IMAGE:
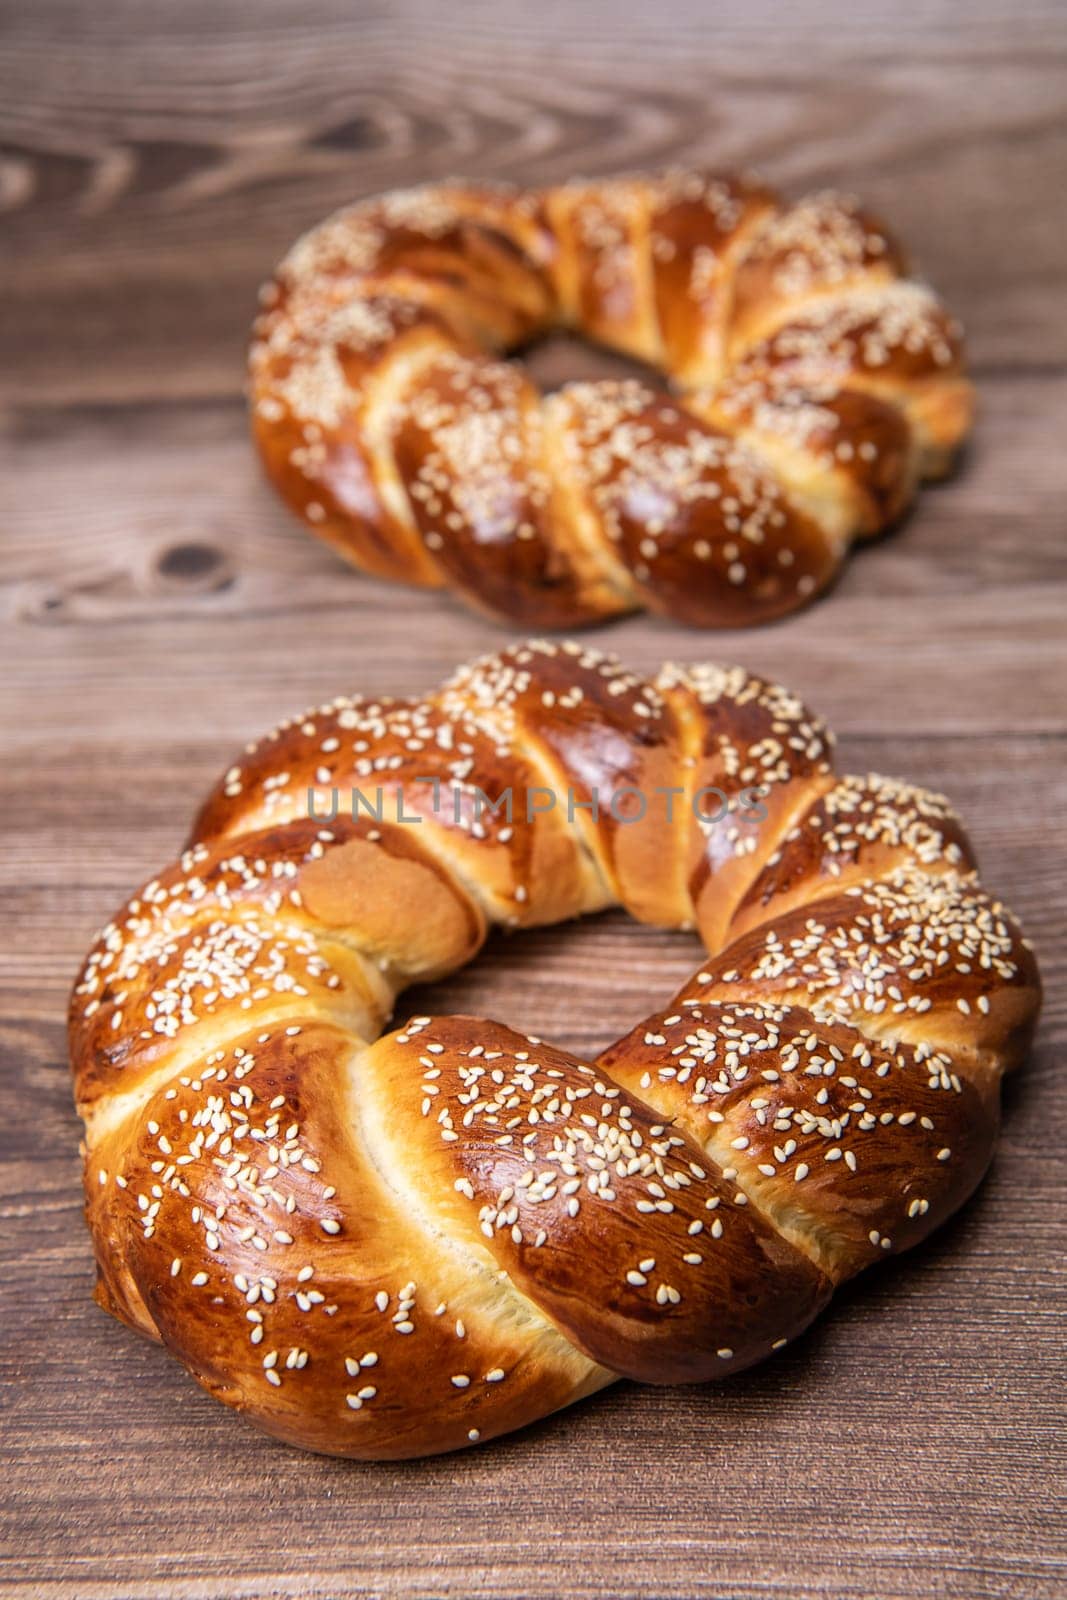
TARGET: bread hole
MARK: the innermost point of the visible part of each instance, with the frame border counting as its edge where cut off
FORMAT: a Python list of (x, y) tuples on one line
[(560, 358), (578, 985)]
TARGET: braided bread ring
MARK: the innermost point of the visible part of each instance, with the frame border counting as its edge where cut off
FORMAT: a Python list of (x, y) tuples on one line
[(818, 385), (392, 1248)]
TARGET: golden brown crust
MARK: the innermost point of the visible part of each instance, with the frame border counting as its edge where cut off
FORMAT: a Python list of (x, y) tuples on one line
[(295, 1297), (819, 247), (913, 957), (820, 385), (385, 1247), (587, 1200), (852, 1147), (859, 829), (470, 448)]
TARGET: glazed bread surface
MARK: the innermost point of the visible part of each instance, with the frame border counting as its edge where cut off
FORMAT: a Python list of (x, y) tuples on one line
[(386, 1246), (814, 384)]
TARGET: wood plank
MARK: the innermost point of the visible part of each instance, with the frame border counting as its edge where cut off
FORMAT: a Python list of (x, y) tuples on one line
[(159, 609), (158, 210)]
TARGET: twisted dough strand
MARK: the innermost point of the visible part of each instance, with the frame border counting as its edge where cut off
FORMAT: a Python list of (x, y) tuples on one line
[(390, 1246), (816, 386)]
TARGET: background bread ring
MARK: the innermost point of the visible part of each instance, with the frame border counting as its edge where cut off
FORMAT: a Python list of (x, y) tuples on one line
[(815, 386)]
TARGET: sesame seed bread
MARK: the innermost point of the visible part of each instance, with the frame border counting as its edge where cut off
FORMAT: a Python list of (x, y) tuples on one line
[(814, 385), (389, 1246)]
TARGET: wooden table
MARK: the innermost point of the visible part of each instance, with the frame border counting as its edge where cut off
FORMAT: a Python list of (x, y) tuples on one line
[(160, 608)]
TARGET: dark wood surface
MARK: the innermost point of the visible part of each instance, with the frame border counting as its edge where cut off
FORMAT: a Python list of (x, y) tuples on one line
[(159, 609)]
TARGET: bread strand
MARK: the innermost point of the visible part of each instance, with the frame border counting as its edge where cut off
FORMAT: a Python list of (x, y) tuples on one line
[(456, 1229), (820, 385)]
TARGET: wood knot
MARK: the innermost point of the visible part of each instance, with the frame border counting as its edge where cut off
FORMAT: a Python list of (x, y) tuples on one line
[(193, 566)]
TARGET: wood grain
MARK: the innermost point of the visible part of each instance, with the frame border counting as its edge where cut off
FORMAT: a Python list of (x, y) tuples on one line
[(159, 609)]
